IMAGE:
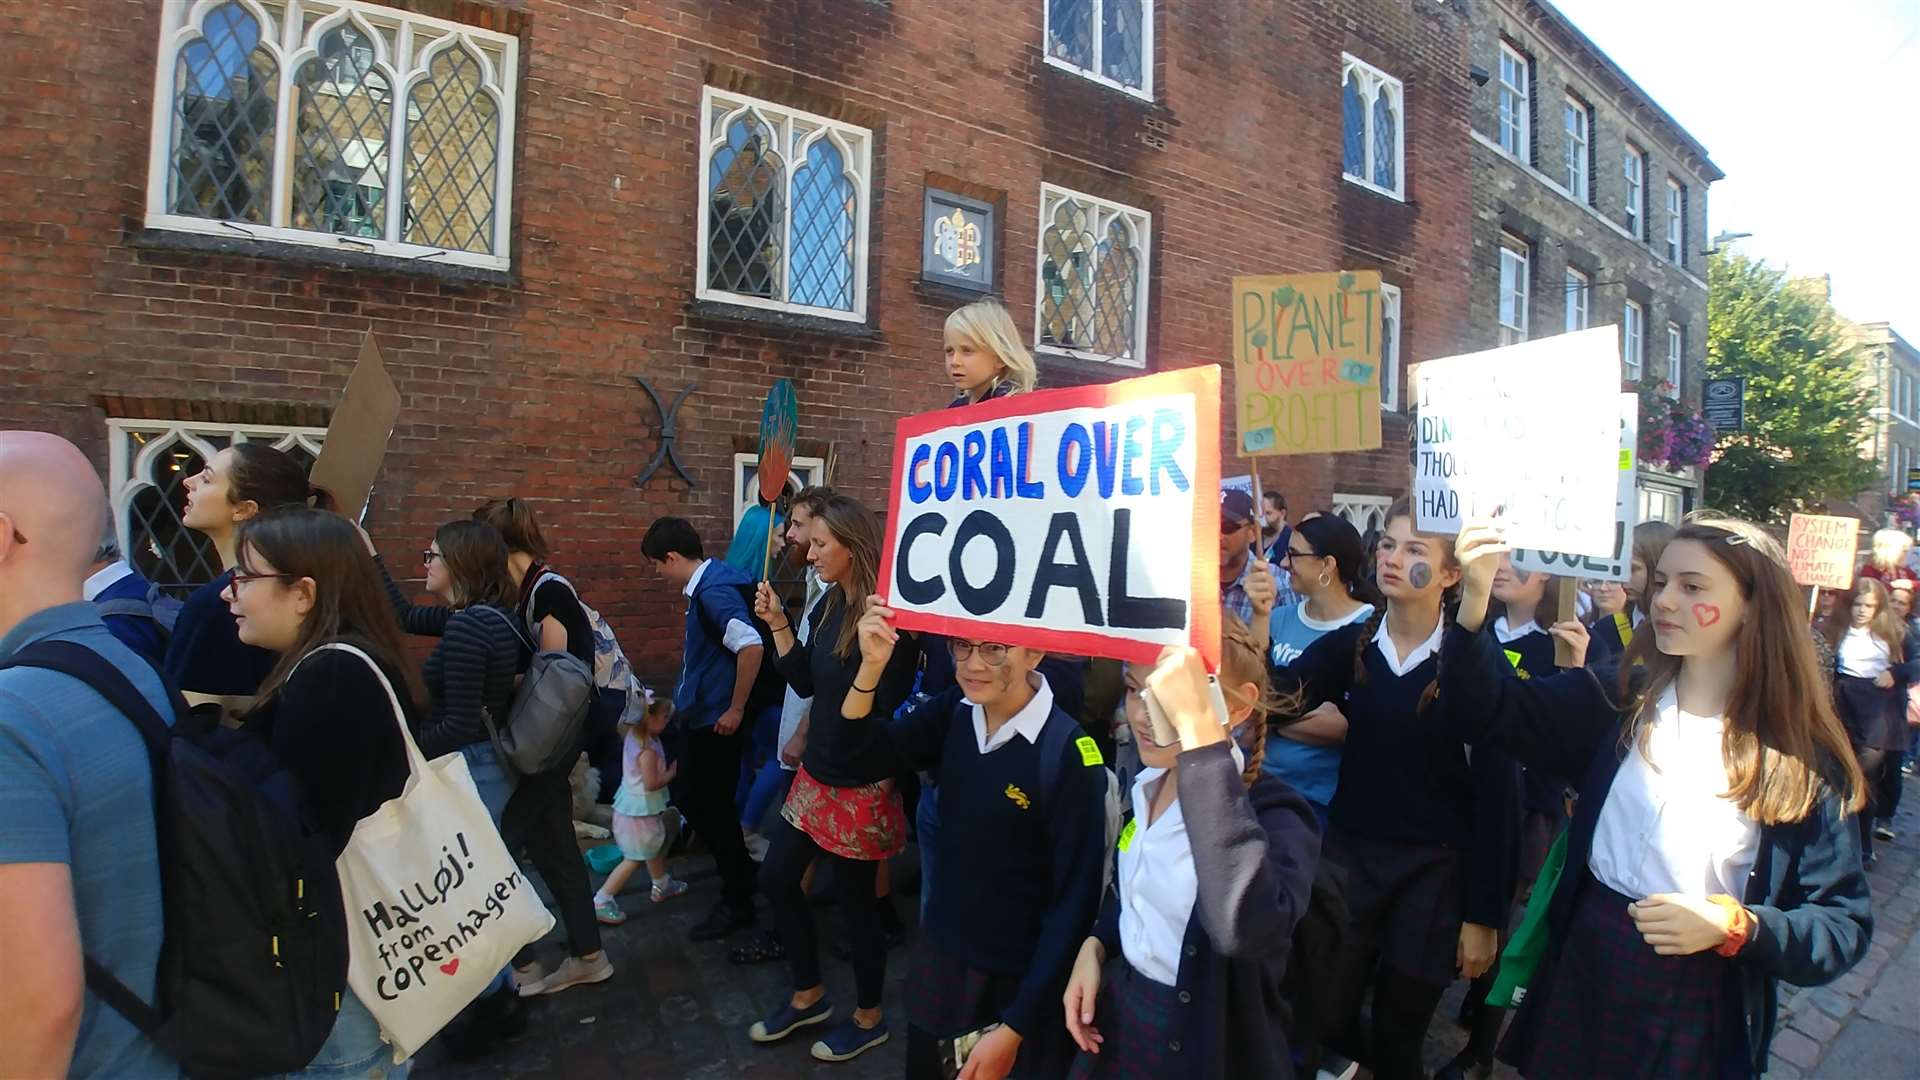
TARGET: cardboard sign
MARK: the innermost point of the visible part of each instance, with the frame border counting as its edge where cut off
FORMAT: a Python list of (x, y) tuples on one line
[(1617, 566), (1243, 482), (1306, 361), (779, 427), (349, 460), (1082, 520), (1513, 430), (1820, 550)]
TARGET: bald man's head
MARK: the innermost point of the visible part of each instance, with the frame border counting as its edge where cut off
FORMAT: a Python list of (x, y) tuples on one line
[(53, 499)]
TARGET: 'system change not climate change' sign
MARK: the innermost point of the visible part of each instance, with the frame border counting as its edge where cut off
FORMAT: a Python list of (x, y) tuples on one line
[(1083, 519), (1306, 361)]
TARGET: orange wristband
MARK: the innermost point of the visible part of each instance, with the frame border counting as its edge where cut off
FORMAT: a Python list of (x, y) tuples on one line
[(1739, 925)]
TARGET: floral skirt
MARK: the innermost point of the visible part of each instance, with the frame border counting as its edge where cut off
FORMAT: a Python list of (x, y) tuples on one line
[(865, 822)]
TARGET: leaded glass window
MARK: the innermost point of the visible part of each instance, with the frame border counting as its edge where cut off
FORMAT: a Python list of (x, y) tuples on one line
[(292, 120), (786, 210), (1109, 41), (1092, 287), (1372, 105), (150, 462)]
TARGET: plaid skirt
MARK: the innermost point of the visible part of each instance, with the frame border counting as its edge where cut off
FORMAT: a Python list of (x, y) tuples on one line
[(1614, 1008), (946, 998), (1136, 1016), (1403, 898), (865, 823)]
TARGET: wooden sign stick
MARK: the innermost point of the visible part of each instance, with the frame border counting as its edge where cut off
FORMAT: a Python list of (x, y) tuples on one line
[(1566, 608)]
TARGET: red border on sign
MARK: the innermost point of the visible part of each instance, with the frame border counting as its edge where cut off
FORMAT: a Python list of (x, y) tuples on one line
[(1203, 383)]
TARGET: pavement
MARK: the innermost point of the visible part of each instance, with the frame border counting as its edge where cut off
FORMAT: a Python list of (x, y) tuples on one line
[(677, 1008)]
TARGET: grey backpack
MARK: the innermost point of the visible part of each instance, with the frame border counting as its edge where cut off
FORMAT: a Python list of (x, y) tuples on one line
[(547, 720)]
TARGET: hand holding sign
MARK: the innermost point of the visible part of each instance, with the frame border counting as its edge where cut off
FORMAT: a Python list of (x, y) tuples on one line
[(1478, 549)]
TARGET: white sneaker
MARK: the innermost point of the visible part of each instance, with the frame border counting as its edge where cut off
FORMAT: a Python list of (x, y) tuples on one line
[(574, 971)]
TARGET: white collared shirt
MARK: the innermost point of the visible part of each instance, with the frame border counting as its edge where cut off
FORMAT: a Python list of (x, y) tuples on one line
[(1667, 826), (1026, 723), (1507, 633), (105, 578), (739, 634), (1420, 652), (1157, 885), (1862, 654)]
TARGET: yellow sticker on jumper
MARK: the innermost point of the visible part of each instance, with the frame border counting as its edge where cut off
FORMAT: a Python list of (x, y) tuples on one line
[(1126, 835), (1513, 658), (1089, 751)]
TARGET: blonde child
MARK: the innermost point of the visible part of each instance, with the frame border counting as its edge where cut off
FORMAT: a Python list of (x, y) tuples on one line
[(985, 358), (641, 824)]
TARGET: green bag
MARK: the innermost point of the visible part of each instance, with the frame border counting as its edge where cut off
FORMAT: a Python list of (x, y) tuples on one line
[(1521, 957)]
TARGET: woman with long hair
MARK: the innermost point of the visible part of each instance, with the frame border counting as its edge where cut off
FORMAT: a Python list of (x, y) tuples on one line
[(205, 657), (1323, 561), (1214, 870), (1423, 823), (1876, 658), (1709, 856), (842, 809), (540, 813), (1612, 635), (301, 579)]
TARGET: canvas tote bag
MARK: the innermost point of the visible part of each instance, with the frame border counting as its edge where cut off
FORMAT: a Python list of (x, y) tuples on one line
[(436, 907)]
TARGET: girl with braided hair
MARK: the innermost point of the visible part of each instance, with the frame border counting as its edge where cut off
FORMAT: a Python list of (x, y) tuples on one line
[(1424, 825)]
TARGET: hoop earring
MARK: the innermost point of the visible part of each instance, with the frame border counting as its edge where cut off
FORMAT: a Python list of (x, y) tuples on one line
[(1325, 579)]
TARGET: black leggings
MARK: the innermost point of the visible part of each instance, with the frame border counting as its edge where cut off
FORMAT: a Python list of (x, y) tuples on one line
[(1873, 765), (538, 820), (1402, 1008), (788, 853)]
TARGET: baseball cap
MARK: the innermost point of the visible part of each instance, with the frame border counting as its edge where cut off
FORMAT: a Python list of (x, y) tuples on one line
[(1236, 507)]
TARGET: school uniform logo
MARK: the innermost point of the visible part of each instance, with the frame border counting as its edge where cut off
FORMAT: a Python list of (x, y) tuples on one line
[(1018, 797), (1514, 659)]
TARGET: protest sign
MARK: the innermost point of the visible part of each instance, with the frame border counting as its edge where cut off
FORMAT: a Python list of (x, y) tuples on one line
[(1243, 482), (1513, 430), (779, 428), (1820, 550), (349, 460), (1082, 520), (1618, 565), (1306, 361)]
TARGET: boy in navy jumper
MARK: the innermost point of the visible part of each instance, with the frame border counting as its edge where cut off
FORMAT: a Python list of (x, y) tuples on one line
[(1023, 793), (716, 679)]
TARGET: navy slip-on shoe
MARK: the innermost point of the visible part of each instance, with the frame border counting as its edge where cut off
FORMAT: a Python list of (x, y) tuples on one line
[(849, 1040), (786, 1020)]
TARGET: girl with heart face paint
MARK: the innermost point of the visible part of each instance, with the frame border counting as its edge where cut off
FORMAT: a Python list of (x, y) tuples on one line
[(302, 579), (1709, 855), (1424, 828)]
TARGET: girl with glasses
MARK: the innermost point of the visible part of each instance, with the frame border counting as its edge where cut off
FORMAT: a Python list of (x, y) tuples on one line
[(1007, 915), (1181, 976), (1709, 856)]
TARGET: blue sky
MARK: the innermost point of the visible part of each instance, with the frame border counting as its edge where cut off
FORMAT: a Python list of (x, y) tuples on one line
[(1810, 110)]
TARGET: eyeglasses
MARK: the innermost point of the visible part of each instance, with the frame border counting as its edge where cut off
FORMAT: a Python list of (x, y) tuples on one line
[(994, 653), (1292, 555), (242, 579), (1228, 528), (429, 555)]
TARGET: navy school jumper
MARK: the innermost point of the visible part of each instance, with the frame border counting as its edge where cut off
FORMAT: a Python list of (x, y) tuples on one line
[(1807, 891)]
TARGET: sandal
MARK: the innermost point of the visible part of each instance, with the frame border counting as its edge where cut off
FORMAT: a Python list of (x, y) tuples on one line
[(764, 948)]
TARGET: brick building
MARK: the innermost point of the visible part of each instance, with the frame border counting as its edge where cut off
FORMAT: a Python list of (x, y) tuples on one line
[(1892, 368), (537, 205), (1590, 208)]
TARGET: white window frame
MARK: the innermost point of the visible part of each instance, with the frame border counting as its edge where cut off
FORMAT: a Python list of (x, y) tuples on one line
[(1676, 221), (289, 42), (1578, 121), (1363, 512), (1145, 90), (1515, 255), (1633, 333), (126, 465), (807, 472), (1634, 165), (1667, 497), (1372, 83), (1516, 138), (1104, 209), (855, 144), (1390, 360), (1676, 358), (1579, 290)]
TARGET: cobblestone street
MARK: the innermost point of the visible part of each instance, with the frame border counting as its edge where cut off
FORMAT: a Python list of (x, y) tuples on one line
[(677, 1008)]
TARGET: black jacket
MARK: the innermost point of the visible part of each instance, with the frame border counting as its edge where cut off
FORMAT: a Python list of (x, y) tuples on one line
[(1254, 853), (1807, 891)]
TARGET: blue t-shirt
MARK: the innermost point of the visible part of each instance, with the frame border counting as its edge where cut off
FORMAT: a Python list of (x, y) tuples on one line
[(1314, 771), (76, 788)]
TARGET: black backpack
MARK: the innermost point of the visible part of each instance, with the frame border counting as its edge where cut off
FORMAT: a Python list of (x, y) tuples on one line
[(254, 957), (769, 688)]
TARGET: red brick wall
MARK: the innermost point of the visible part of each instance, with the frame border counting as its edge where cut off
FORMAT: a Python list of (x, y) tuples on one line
[(528, 387)]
